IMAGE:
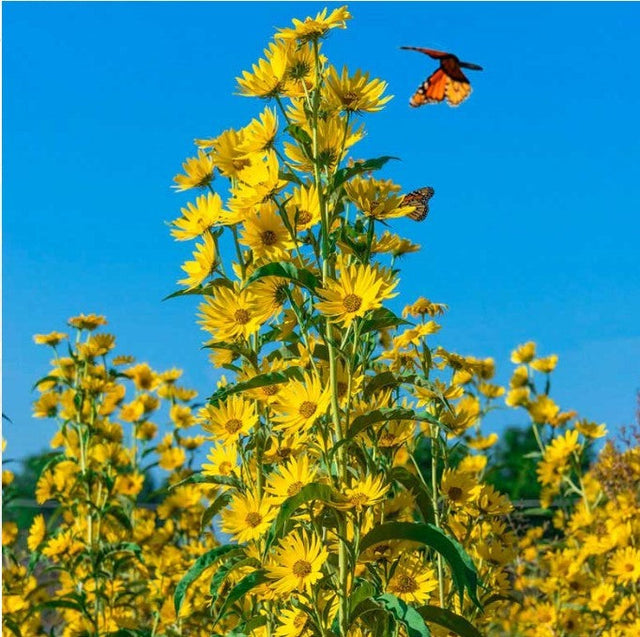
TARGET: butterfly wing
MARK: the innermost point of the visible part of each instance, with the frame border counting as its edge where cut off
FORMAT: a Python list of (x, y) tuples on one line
[(432, 53), (457, 92), (419, 199), (431, 90)]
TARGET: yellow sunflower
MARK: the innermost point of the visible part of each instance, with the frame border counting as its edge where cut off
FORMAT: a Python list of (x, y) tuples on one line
[(230, 315), (300, 403), (271, 295), (457, 487), (290, 478), (412, 581), (197, 219), (247, 518), (231, 419), (202, 266), (52, 339), (266, 234), (377, 198), (268, 77), (257, 183), (297, 563), (315, 28), (366, 492), (357, 290), (356, 93), (198, 172), (226, 154), (222, 461), (260, 134), (303, 209), (293, 623), (624, 565)]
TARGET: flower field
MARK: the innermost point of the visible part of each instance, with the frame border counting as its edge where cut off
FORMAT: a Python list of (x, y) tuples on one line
[(338, 481)]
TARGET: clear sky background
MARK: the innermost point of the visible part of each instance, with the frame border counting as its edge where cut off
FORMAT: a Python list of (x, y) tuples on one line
[(533, 232)]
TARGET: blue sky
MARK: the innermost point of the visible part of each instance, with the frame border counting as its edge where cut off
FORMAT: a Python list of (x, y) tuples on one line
[(534, 228)]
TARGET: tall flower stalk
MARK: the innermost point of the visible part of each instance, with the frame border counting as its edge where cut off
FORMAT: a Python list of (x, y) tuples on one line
[(334, 528)]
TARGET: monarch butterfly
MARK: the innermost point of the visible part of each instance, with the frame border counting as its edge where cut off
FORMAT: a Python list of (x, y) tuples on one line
[(448, 81), (419, 199)]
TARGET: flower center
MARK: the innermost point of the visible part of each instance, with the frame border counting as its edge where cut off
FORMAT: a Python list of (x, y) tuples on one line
[(294, 488), (280, 294), (628, 567), (358, 500), (406, 584), (233, 425), (225, 468), (268, 238), (349, 99), (455, 493), (342, 389), (253, 518), (301, 568), (387, 439), (304, 217), (270, 390), (352, 302), (241, 316), (307, 409)]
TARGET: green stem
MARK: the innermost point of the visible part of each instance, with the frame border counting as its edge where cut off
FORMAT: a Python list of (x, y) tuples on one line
[(436, 512)]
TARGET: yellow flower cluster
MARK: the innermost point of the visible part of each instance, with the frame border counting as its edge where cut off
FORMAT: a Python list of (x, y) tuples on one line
[(113, 542)]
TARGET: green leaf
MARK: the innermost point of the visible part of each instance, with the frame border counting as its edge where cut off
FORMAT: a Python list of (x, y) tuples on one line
[(261, 380), (215, 507), (199, 566), (384, 379), (240, 590), (344, 174), (12, 626), (380, 319), (308, 493), (61, 603), (201, 290), (386, 414), (223, 570), (299, 134), (404, 614), (416, 486), (119, 514), (286, 270), (447, 619), (463, 570)]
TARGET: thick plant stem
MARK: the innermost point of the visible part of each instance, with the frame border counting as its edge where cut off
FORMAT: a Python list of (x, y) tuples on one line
[(436, 513), (327, 272)]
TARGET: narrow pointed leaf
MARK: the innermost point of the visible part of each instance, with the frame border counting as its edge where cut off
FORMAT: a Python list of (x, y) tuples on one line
[(286, 270), (385, 414), (199, 566), (404, 614), (449, 620), (240, 590), (380, 319), (415, 485), (344, 174), (261, 380), (308, 493), (215, 507)]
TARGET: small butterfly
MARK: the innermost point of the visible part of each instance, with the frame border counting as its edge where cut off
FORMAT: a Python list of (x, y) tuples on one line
[(448, 81), (419, 199)]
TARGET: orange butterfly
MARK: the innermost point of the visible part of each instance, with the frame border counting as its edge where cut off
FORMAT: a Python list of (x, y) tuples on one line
[(419, 199), (447, 82)]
